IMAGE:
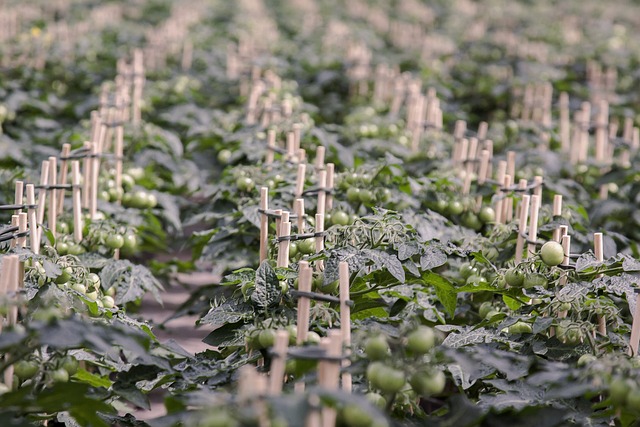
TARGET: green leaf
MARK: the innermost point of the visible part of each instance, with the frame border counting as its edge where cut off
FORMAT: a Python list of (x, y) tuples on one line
[(511, 302), (229, 311), (444, 290), (433, 257), (92, 379), (385, 260), (266, 291), (131, 281)]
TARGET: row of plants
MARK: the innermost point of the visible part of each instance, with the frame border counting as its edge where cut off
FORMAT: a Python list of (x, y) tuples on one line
[(450, 325)]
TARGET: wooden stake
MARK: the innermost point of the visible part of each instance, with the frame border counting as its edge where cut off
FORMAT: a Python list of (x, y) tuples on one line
[(598, 249), (345, 320), (77, 206), (33, 219), (635, 329), (522, 227), (119, 153), (319, 163), (502, 171), (62, 178), (42, 195), (283, 246), (86, 176), (300, 180), (298, 208), (52, 210), (322, 195), (271, 146), (507, 202), (331, 378), (566, 247), (330, 186), (565, 124), (557, 211), (264, 223), (278, 362), (19, 196), (319, 240), (533, 225)]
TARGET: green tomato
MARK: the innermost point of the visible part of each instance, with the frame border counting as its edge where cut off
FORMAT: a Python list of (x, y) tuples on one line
[(108, 302), (477, 280), (152, 201), (633, 400), (376, 399), (428, 382), (485, 308), (586, 359), (76, 249), (93, 280), (421, 340), (366, 196), (329, 288), (63, 227), (619, 389), (552, 253), (307, 246), (69, 364), (140, 199), (467, 269), (92, 294), (354, 416), (353, 194), (245, 184), (491, 313), (79, 287), (455, 207), (25, 369), (376, 347), (114, 241), (441, 206), (514, 277), (385, 378), (59, 375), (224, 156), (313, 337), (470, 220), (127, 181), (62, 248), (340, 218), (293, 250), (487, 214), (130, 243), (520, 327), (267, 337)]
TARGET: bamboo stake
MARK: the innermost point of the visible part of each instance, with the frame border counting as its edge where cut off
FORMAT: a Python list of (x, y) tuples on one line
[(330, 184), (10, 276), (278, 362), (305, 276), (345, 321), (565, 124), (566, 247), (598, 249), (297, 135), (271, 146), (86, 176), (522, 227), (283, 246), (33, 221), (19, 196), (511, 163), (331, 378), (291, 148), (322, 195), (14, 223), (42, 196), (507, 202), (298, 208), (52, 214), (319, 163), (533, 225), (557, 211), (300, 179), (264, 222), (502, 171), (62, 178), (319, 239), (119, 153), (635, 328), (95, 172), (77, 206)]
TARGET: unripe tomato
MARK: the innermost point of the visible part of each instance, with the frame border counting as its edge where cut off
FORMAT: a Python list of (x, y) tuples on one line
[(387, 379), (25, 369), (366, 196), (108, 302), (421, 340), (64, 276), (224, 156), (62, 248), (376, 348), (619, 390), (114, 241), (485, 308), (307, 246), (535, 279), (267, 337), (79, 287), (245, 184), (428, 382), (340, 218), (293, 250), (70, 364), (520, 327), (59, 375), (455, 207), (552, 253), (355, 416), (467, 270), (487, 214), (353, 194), (514, 277), (376, 399), (130, 243)]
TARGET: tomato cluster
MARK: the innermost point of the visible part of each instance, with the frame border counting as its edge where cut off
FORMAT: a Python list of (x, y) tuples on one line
[(464, 213)]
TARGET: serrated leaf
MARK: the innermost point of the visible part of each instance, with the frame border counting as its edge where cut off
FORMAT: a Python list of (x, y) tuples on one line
[(407, 249), (622, 285), (432, 257), (229, 311), (384, 260), (444, 290), (93, 380), (266, 291), (131, 281)]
